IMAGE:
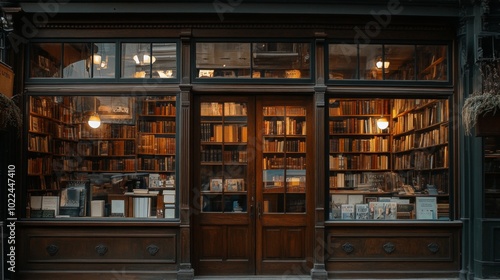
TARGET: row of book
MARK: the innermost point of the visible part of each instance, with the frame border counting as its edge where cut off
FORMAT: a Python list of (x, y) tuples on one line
[(47, 107), (159, 108), (375, 144), (433, 137), (223, 109), (354, 125), (284, 111), (107, 148), (157, 126), (229, 133), (108, 131), (275, 145), (157, 164), (151, 144), (282, 163), (109, 165), (39, 143), (358, 162), (359, 107), (288, 126)]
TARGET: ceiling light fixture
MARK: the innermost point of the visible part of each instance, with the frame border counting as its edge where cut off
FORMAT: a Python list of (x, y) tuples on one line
[(94, 119)]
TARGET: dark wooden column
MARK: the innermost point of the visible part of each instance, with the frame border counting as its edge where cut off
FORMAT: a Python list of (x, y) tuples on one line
[(319, 271), (184, 160)]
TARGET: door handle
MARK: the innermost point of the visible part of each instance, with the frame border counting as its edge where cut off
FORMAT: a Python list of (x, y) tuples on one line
[(251, 211), (259, 210)]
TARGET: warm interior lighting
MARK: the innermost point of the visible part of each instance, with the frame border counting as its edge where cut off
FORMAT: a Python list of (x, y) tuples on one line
[(382, 123), (144, 59), (381, 63), (94, 119), (97, 59)]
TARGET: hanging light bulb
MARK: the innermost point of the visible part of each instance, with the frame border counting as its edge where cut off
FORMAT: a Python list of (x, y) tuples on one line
[(94, 119), (381, 63), (382, 123)]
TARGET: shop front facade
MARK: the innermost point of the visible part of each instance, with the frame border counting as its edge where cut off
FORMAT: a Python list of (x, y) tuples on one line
[(174, 140)]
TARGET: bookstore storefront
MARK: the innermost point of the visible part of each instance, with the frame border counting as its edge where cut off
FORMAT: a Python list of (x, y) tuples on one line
[(176, 149)]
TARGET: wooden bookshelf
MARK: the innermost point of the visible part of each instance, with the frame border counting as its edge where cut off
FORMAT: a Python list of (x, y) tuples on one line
[(412, 152)]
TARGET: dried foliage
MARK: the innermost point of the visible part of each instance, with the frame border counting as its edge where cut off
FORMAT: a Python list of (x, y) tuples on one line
[(485, 102), (10, 114)]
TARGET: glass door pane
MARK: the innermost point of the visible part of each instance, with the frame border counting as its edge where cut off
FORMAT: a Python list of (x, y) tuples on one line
[(284, 159), (223, 153)]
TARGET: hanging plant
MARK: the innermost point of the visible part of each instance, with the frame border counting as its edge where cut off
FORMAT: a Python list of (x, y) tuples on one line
[(485, 102), (10, 114)]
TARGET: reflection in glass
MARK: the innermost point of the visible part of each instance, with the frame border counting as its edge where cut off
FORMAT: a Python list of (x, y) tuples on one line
[(104, 60), (368, 57), (165, 57), (432, 62), (343, 61), (45, 60), (402, 62), (136, 60), (281, 60)]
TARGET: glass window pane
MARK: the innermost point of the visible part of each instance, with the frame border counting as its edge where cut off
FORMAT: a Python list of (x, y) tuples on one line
[(432, 62), (399, 62), (113, 152), (343, 61), (165, 65), (368, 57), (45, 60), (77, 59), (223, 60), (281, 60), (104, 60), (136, 60), (380, 172)]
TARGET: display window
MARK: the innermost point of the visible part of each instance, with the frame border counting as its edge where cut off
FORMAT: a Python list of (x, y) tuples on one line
[(388, 159), (101, 157)]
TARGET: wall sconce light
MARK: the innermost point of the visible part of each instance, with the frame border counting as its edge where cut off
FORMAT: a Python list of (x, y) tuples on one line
[(94, 119), (382, 123), (381, 63)]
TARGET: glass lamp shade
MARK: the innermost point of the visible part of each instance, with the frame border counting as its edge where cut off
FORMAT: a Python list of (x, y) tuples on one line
[(94, 121), (144, 59), (382, 123), (97, 59), (381, 63)]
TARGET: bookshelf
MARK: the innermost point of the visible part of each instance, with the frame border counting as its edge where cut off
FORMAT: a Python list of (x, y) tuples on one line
[(284, 159), (117, 158), (223, 157), (357, 147), (376, 168)]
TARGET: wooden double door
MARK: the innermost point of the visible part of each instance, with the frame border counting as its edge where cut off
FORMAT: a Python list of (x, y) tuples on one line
[(252, 194)]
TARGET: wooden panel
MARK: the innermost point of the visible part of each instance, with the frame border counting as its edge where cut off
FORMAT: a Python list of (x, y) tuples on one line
[(294, 246), (392, 250), (212, 243), (237, 243), (272, 243), (57, 250)]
